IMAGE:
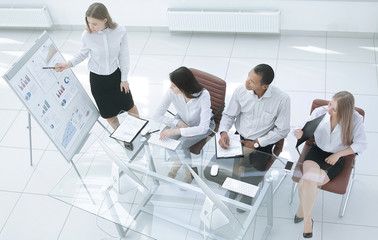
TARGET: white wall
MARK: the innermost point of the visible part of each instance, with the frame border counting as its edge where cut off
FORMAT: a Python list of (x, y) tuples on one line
[(341, 15)]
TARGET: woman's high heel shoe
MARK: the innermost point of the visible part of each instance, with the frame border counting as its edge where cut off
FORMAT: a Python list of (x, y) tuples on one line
[(297, 219), (309, 235)]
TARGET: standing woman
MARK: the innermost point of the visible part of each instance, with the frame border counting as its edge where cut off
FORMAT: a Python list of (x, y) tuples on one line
[(340, 133), (105, 42), (192, 122)]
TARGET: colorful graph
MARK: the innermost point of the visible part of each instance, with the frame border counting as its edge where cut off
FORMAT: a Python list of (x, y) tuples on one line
[(45, 107), (24, 82), (28, 96), (51, 53), (60, 91), (67, 80)]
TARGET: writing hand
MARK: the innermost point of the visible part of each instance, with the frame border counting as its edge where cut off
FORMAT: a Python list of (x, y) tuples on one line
[(125, 87), (169, 132), (298, 133), (224, 141)]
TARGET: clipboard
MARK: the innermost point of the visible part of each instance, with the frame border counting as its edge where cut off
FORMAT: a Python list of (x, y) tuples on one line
[(129, 129), (308, 130), (235, 149)]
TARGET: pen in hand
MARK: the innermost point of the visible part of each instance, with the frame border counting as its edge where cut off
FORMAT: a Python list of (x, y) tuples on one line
[(48, 67), (153, 131)]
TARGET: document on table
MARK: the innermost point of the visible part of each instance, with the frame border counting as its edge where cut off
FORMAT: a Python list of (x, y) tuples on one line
[(235, 147), (167, 143), (129, 128)]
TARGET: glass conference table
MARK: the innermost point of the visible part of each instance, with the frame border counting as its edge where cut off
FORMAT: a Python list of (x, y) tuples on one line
[(132, 190)]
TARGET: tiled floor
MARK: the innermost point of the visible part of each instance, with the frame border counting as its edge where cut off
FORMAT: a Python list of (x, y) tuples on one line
[(306, 67)]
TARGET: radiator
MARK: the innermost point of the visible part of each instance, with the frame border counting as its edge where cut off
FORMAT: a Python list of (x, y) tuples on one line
[(25, 17), (224, 20)]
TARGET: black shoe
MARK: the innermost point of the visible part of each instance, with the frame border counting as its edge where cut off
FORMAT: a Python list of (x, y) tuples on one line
[(128, 146), (297, 219), (309, 235), (240, 210)]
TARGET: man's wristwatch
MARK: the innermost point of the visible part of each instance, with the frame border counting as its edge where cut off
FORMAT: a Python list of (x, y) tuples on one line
[(255, 144)]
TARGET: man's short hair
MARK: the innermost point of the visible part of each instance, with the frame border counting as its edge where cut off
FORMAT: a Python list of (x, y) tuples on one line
[(265, 72)]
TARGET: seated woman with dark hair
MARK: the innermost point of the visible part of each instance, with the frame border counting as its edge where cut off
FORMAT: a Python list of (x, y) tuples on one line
[(340, 133), (192, 122)]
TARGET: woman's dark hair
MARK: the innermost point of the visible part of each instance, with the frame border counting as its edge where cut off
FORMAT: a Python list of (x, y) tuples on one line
[(184, 79), (265, 72)]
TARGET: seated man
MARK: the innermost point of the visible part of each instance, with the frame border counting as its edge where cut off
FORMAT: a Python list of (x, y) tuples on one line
[(260, 111)]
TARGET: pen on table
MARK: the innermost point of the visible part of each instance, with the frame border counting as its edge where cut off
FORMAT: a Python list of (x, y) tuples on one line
[(153, 131), (48, 67)]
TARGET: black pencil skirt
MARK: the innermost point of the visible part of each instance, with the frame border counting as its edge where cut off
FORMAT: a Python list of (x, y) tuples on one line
[(108, 96), (318, 155)]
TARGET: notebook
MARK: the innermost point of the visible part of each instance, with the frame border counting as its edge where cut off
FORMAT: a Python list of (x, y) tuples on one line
[(235, 147), (130, 127)]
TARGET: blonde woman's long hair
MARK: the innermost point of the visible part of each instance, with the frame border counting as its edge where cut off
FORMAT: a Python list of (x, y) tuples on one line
[(345, 109), (99, 11)]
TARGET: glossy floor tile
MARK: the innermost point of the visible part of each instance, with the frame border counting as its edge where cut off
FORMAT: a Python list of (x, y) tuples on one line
[(305, 67)]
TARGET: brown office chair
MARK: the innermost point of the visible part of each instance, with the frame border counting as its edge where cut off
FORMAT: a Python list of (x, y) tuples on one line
[(342, 183), (217, 90)]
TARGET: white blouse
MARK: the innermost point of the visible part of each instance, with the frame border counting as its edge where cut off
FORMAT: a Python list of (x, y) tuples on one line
[(196, 113), (108, 50), (331, 141)]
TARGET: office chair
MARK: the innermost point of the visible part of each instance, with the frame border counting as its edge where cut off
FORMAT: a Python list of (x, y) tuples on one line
[(343, 182), (217, 90)]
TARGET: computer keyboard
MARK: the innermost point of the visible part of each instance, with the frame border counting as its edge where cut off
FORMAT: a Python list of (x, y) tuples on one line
[(240, 187), (166, 143)]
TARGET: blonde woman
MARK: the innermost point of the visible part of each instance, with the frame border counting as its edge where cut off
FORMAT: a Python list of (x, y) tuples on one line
[(105, 43), (340, 133)]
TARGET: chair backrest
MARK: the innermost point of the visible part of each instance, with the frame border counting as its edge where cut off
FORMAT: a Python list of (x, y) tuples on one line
[(321, 102), (217, 90)]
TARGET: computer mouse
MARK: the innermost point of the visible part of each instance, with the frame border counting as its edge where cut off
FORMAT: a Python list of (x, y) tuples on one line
[(214, 170)]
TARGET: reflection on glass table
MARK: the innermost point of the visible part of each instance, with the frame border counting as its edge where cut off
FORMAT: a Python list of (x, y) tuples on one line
[(132, 189)]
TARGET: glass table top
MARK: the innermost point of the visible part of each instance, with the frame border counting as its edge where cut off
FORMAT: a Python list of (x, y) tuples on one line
[(132, 189)]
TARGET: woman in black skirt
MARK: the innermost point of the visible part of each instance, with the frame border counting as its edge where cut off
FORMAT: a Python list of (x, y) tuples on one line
[(106, 44), (340, 133)]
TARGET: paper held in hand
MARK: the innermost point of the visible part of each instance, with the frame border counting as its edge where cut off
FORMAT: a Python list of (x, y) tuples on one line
[(235, 147), (129, 128)]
